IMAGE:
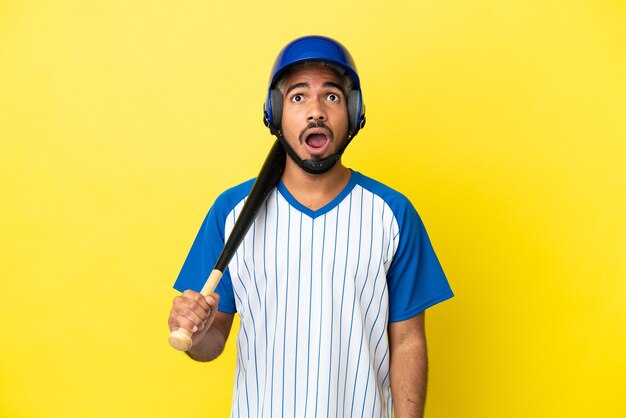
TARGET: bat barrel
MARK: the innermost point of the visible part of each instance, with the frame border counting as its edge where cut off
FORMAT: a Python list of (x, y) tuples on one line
[(269, 175)]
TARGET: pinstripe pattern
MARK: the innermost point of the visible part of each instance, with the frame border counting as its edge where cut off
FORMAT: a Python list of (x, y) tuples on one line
[(312, 297)]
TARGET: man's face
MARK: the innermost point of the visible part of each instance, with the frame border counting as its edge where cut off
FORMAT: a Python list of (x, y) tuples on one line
[(315, 112)]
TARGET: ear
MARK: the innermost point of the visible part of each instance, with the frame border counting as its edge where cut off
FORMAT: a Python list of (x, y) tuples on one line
[(277, 108)]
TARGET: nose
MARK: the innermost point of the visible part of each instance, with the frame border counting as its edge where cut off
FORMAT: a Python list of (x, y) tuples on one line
[(316, 112)]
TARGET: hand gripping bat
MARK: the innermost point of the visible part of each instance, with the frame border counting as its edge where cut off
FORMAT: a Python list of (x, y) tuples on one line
[(269, 175)]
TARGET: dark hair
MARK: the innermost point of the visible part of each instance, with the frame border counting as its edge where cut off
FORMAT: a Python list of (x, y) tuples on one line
[(347, 80)]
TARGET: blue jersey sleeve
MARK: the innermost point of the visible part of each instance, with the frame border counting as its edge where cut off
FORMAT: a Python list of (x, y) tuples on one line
[(201, 259), (415, 278)]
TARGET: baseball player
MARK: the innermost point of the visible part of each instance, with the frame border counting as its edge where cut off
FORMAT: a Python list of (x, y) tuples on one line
[(332, 280)]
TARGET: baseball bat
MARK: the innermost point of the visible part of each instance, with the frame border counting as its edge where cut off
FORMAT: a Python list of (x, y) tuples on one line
[(269, 175)]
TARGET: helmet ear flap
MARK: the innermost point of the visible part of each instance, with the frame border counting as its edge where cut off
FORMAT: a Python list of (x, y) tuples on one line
[(276, 98), (356, 118)]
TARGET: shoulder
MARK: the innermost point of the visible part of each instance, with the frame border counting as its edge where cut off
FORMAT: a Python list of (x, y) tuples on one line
[(231, 197), (396, 201)]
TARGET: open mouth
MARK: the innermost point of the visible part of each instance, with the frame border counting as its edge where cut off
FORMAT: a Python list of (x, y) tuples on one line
[(316, 140)]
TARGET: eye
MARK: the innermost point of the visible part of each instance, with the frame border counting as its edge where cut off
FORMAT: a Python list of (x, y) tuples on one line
[(297, 98), (333, 97)]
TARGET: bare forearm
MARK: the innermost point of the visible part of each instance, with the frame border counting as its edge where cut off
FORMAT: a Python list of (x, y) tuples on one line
[(409, 377), (408, 367), (209, 347)]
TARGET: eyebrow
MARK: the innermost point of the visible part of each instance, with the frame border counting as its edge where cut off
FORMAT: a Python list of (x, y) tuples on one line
[(306, 85), (296, 86)]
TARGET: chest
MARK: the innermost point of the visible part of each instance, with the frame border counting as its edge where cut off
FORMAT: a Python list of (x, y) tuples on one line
[(340, 255)]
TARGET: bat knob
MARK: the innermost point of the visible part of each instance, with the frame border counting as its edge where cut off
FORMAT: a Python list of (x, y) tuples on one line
[(180, 339)]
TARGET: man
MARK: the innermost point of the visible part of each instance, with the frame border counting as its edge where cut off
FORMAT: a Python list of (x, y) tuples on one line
[(332, 280)]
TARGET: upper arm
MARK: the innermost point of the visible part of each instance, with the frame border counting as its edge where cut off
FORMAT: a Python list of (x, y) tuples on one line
[(415, 277)]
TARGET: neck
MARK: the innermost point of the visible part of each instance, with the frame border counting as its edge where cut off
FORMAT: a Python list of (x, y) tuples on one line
[(315, 190)]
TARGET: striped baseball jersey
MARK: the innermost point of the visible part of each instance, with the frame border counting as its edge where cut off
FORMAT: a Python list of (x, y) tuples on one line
[(315, 292)]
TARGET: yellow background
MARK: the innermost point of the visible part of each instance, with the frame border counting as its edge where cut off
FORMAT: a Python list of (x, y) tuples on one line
[(503, 121)]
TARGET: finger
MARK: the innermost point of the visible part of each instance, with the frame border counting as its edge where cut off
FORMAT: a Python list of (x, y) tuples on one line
[(196, 297), (189, 318), (201, 310), (196, 315), (184, 304), (190, 311), (213, 301), (186, 323)]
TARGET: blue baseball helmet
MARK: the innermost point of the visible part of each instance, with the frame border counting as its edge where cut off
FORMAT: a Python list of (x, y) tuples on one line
[(314, 48)]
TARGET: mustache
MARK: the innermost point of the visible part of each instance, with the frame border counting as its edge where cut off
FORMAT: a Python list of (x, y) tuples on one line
[(316, 124)]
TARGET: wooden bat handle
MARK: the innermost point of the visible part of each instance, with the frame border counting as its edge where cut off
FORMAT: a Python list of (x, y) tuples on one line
[(180, 339)]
